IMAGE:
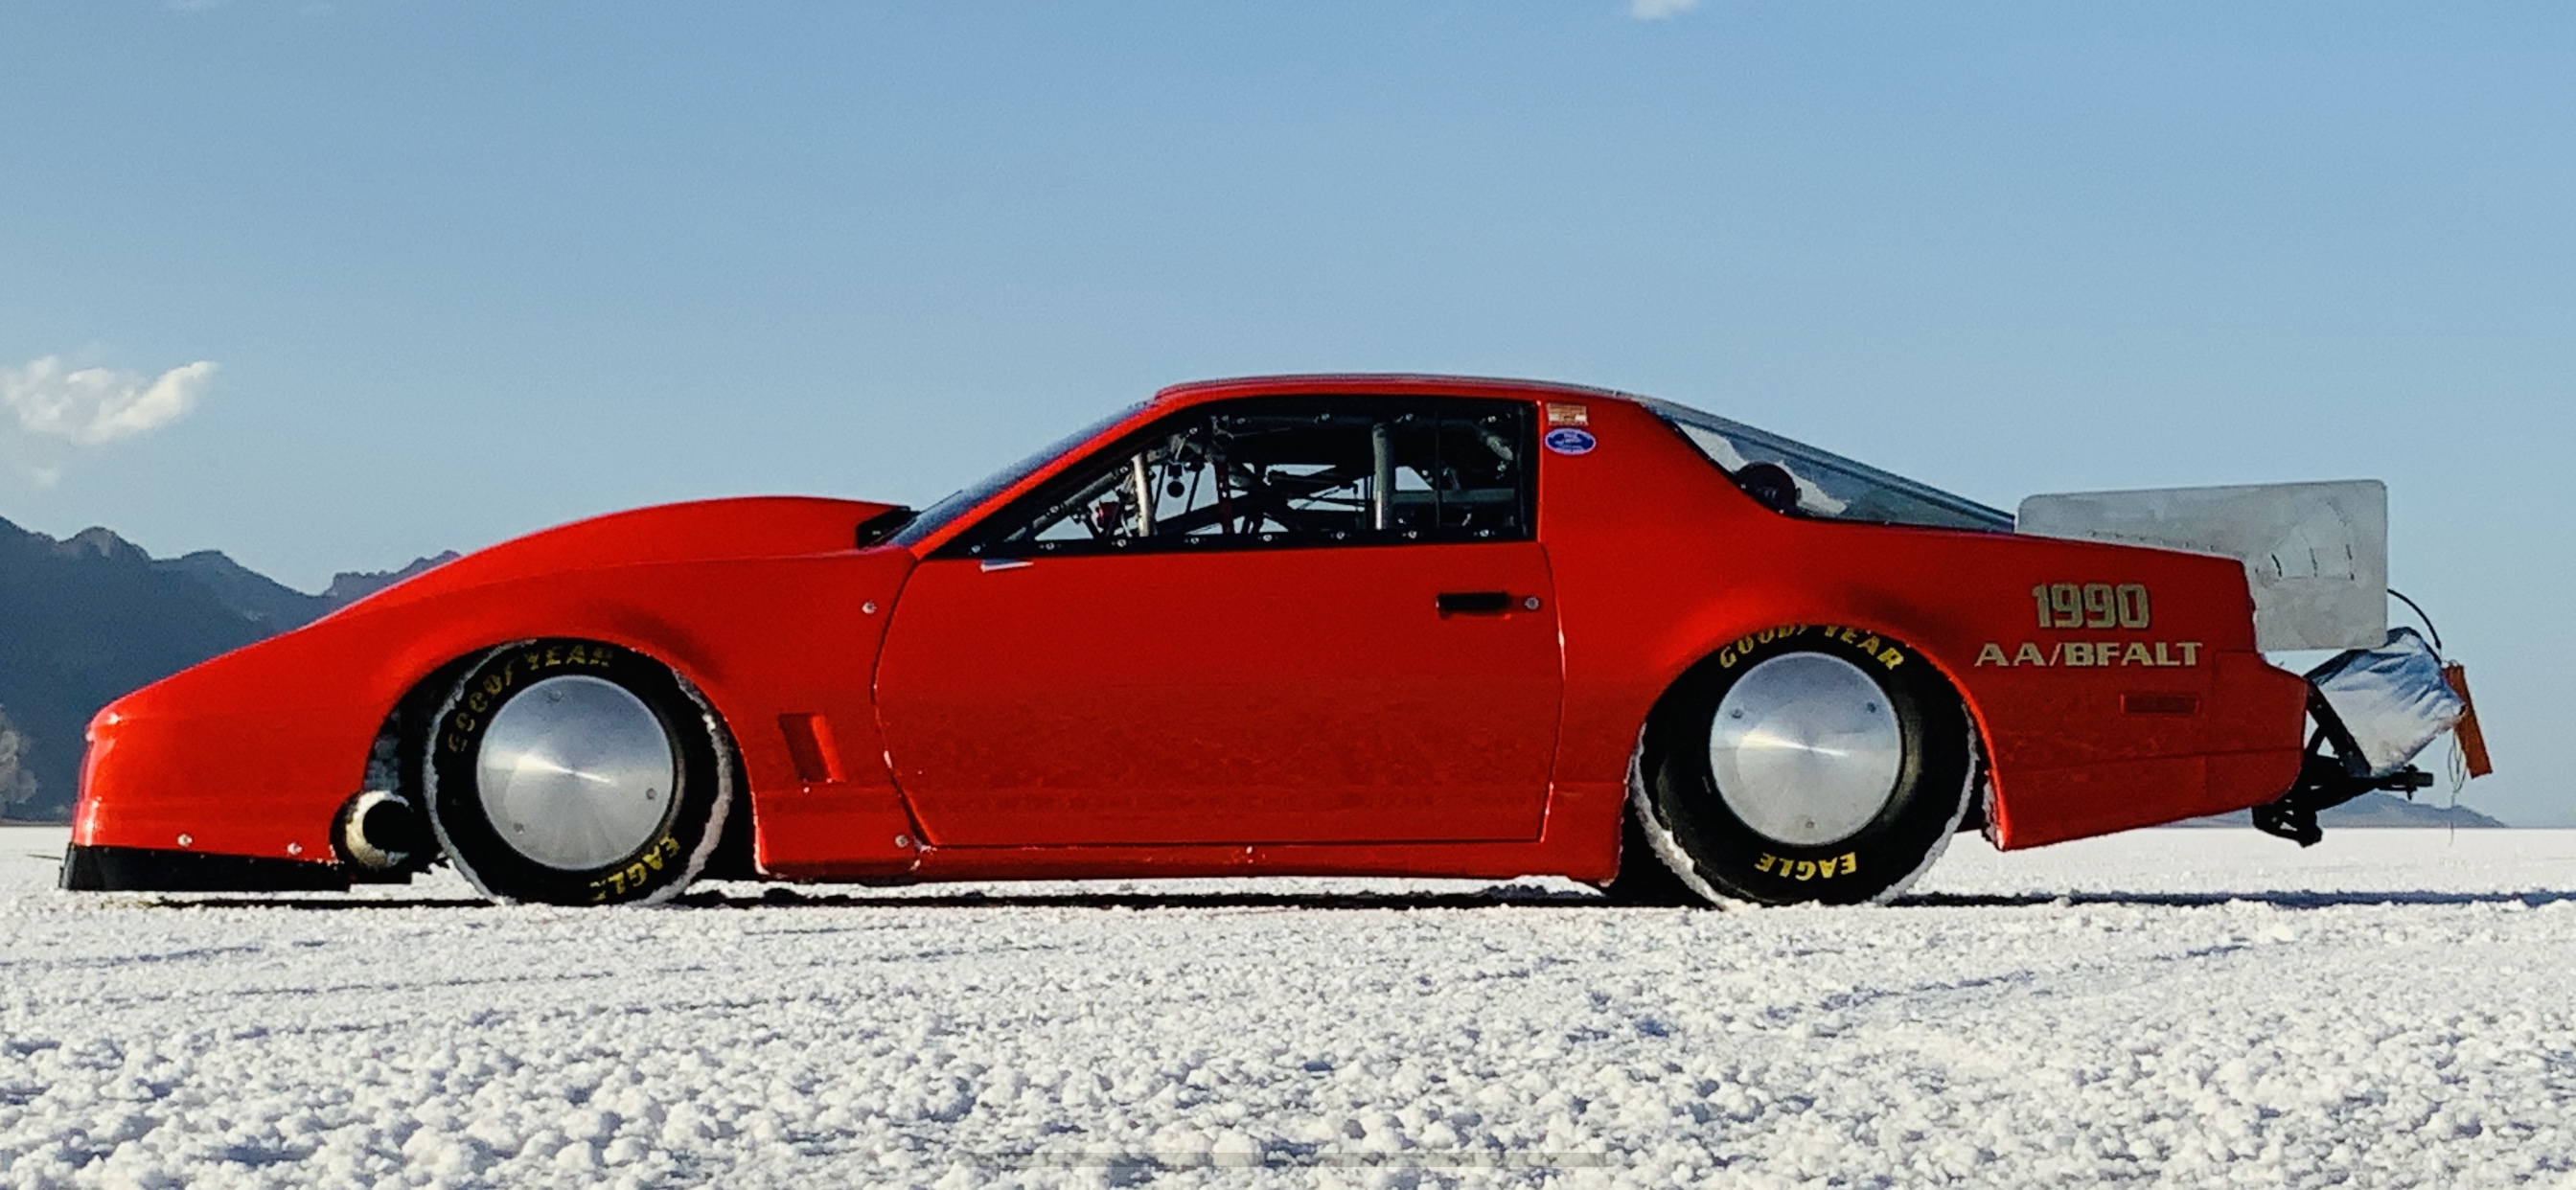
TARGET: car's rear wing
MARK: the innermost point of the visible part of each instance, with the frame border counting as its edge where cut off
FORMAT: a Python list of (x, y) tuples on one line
[(2315, 554)]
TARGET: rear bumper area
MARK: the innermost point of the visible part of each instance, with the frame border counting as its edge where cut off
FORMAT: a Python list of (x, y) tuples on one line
[(144, 869)]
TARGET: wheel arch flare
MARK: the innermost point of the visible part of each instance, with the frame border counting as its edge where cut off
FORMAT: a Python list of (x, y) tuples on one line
[(384, 832)]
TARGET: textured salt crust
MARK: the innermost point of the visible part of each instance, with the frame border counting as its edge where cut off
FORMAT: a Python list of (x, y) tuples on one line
[(2175, 1007)]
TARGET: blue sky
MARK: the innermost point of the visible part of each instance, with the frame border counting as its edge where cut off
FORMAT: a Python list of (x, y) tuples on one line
[(465, 269)]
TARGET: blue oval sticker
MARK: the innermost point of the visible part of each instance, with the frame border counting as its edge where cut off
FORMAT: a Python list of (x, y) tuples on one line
[(1571, 441)]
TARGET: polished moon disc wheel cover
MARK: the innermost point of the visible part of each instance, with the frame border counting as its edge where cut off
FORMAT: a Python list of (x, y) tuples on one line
[(576, 773), (1806, 749)]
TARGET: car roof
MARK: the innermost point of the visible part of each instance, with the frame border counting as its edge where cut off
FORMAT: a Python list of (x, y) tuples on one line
[(1362, 384), (1382, 384)]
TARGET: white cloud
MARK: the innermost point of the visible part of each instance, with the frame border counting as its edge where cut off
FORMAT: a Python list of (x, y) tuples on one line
[(57, 411), (1656, 10)]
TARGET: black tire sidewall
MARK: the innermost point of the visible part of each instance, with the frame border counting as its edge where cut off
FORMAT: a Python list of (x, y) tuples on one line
[(454, 743), (1737, 861)]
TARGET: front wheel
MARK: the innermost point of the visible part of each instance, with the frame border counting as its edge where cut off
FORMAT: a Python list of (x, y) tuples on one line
[(573, 772), (1804, 764)]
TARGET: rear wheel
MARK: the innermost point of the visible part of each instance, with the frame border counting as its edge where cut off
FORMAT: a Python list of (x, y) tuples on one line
[(1804, 764), (572, 772)]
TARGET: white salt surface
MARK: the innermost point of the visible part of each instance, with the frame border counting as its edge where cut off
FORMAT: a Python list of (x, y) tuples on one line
[(2202, 1007)]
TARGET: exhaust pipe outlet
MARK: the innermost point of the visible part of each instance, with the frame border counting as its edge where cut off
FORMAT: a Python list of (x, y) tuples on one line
[(380, 832)]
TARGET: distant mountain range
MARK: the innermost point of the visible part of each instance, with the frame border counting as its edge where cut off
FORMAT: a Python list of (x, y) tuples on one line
[(88, 618), (2372, 810)]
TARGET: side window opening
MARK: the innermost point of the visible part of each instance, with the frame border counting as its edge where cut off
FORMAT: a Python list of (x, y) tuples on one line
[(1289, 472), (1796, 479)]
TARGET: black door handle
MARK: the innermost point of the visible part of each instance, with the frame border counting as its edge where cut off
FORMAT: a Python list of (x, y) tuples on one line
[(1474, 602)]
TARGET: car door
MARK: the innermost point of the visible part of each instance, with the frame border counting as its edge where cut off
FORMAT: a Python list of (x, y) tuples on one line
[(1269, 620)]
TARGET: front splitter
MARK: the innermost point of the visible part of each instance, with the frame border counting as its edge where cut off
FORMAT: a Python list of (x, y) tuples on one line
[(147, 869)]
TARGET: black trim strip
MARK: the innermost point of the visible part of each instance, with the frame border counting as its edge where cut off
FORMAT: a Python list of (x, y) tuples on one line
[(1473, 603), (146, 869), (883, 525)]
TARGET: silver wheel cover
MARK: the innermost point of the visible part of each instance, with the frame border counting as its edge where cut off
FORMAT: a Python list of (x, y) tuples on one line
[(1805, 749), (576, 773)]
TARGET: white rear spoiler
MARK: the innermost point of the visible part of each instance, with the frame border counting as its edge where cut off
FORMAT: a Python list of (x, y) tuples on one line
[(2315, 554)]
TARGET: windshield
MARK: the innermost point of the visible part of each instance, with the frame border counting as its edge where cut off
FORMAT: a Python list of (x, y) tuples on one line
[(1793, 477), (959, 502)]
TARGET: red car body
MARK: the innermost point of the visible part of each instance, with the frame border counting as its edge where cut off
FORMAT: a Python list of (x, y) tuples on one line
[(902, 713)]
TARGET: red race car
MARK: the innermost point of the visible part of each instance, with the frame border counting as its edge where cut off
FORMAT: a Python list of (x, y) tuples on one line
[(1393, 625)]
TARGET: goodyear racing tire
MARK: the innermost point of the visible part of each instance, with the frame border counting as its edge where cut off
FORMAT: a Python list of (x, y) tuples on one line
[(572, 772), (1804, 764)]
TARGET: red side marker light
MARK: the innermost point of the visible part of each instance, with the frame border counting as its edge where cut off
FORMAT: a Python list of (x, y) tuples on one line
[(2150, 702)]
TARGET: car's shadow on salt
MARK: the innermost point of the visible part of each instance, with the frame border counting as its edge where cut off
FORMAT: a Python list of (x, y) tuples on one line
[(1514, 896), (1498, 896), (2276, 898), (1533, 897)]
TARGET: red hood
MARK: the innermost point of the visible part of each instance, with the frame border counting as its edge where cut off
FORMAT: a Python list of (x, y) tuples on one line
[(699, 530)]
